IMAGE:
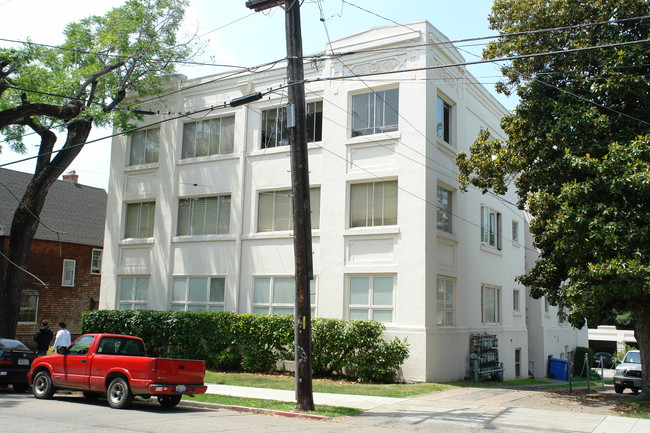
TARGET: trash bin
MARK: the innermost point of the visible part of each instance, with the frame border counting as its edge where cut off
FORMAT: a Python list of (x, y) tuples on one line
[(559, 368)]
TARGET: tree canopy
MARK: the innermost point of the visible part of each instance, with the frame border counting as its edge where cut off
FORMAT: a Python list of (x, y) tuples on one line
[(105, 62), (578, 151)]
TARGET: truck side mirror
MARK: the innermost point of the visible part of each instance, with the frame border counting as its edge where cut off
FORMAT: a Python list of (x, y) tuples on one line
[(62, 350)]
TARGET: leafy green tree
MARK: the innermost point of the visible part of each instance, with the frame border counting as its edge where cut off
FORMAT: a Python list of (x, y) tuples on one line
[(578, 152), (105, 63)]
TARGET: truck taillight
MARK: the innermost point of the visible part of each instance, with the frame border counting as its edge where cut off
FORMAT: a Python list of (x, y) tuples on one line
[(152, 366)]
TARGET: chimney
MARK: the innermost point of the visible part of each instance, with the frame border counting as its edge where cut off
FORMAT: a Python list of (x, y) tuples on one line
[(71, 176)]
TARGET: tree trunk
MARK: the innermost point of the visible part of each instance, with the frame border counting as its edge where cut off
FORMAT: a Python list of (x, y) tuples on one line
[(26, 220), (642, 335)]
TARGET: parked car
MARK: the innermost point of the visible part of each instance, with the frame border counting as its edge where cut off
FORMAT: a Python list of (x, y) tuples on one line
[(606, 358), (15, 361), (628, 374), (118, 367)]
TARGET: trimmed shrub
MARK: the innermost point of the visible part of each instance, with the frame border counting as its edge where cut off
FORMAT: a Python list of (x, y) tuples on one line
[(330, 346), (264, 341), (579, 368)]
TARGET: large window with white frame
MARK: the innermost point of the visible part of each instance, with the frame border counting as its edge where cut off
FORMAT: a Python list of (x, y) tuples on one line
[(198, 294), (96, 262), (203, 216), (276, 295), (371, 297), (68, 273), (275, 131), (373, 204), (208, 137), (444, 209), (139, 219), (375, 112), (490, 227), (445, 301), (443, 123), (490, 305), (275, 210), (134, 293), (145, 146)]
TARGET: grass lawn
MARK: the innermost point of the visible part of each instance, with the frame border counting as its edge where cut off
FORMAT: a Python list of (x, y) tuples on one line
[(639, 408), (259, 403)]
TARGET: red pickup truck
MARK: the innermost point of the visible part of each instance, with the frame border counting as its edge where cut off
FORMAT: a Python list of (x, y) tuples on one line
[(117, 366)]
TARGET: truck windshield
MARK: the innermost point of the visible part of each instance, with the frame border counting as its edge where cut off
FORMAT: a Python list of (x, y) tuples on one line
[(632, 358), (120, 346)]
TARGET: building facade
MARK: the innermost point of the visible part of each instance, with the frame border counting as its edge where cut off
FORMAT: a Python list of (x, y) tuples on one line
[(66, 253), (199, 210)]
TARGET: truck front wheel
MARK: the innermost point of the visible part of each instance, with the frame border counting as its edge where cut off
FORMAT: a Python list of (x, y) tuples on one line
[(42, 386), (119, 394), (619, 389), (169, 400)]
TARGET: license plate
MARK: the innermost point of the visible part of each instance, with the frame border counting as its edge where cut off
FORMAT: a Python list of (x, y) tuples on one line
[(3, 373), (23, 362), (181, 388)]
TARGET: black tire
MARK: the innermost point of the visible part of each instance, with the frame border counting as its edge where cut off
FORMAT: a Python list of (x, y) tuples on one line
[(20, 387), (42, 386), (91, 395), (119, 394), (635, 391), (619, 389), (169, 401)]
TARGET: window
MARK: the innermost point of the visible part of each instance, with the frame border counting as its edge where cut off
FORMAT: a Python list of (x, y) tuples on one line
[(198, 294), (274, 125), (276, 210), (81, 346), (445, 302), (67, 279), (276, 295), (375, 112), (140, 219), (444, 209), (490, 305), (515, 301), (490, 227), (371, 297), (561, 314), (96, 262), (145, 144), (28, 307), (203, 216), (208, 137), (444, 120), (373, 204), (134, 292), (515, 231), (547, 307), (518, 363)]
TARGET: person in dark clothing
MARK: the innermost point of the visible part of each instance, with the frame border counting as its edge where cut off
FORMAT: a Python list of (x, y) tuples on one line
[(42, 338)]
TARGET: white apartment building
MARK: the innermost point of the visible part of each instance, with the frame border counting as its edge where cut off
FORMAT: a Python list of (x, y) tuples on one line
[(199, 207)]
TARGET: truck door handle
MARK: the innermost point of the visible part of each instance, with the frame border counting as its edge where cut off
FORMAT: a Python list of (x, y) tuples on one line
[(83, 361)]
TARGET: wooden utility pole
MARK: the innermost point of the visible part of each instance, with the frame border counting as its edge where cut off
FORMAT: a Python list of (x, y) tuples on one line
[(297, 123)]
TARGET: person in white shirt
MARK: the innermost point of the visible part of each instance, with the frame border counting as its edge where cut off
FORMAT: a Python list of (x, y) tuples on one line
[(62, 337)]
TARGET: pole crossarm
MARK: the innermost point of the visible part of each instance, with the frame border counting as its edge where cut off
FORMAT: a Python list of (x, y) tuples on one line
[(261, 5)]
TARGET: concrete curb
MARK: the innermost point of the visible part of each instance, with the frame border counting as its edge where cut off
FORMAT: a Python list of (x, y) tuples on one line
[(246, 409)]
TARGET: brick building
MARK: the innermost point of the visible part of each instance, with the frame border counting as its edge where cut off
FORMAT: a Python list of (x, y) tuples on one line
[(66, 251)]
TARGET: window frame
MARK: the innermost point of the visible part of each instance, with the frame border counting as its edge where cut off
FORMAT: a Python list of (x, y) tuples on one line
[(517, 362), (149, 156), (491, 227), (516, 301), (486, 307), (215, 144), (96, 262), (515, 231), (221, 200), (271, 304), (33, 309), (371, 307), (278, 123), (354, 220), (69, 267), (133, 302), (371, 125), (442, 210), (444, 308), (275, 218), (444, 113), (188, 304), (149, 229)]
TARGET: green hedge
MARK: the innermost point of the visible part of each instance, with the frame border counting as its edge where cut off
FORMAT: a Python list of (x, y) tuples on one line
[(255, 343), (579, 368)]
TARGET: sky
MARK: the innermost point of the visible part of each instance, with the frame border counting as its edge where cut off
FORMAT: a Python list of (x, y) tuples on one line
[(231, 34)]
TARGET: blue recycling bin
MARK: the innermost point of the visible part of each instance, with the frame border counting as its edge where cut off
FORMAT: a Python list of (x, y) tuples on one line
[(559, 368)]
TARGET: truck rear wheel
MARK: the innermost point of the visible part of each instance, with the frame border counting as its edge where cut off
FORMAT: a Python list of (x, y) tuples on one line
[(169, 400), (42, 386), (119, 394)]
